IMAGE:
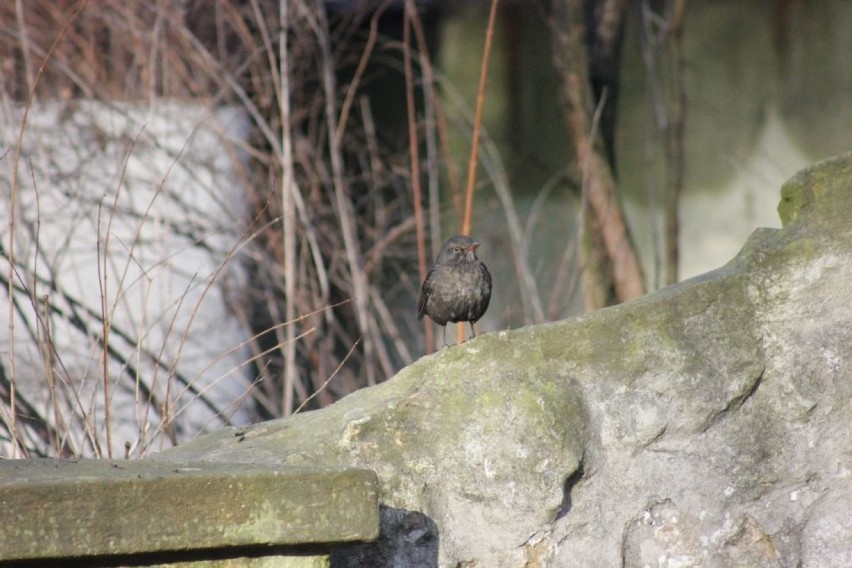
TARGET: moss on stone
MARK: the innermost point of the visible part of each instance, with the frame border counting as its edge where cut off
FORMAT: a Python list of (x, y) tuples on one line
[(59, 508), (821, 193)]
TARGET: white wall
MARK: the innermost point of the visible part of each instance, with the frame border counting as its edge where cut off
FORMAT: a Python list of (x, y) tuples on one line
[(132, 211)]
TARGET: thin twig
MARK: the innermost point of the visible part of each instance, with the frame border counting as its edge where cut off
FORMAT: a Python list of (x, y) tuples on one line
[(431, 107), (674, 139), (13, 194), (414, 157), (598, 182), (346, 106), (477, 121), (319, 25), (530, 297), (328, 380), (474, 145), (25, 45), (288, 210), (102, 255)]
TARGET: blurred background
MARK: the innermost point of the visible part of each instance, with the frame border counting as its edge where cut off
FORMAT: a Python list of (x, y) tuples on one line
[(212, 213)]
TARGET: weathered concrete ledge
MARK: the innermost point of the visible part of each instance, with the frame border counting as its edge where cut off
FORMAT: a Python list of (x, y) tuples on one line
[(52, 509)]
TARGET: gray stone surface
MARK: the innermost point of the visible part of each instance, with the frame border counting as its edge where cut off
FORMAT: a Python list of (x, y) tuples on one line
[(473, 441), (707, 424)]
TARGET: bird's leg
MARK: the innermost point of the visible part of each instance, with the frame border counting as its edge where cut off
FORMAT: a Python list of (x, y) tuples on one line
[(472, 330)]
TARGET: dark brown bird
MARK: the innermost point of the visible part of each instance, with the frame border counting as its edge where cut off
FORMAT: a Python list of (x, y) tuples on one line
[(458, 288)]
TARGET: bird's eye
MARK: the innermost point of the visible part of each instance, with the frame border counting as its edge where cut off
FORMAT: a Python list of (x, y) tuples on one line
[(456, 249)]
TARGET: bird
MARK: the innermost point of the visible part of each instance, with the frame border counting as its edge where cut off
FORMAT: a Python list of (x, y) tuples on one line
[(457, 288)]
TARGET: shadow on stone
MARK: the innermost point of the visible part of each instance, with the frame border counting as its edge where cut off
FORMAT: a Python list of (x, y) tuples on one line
[(303, 555), (570, 482), (406, 538)]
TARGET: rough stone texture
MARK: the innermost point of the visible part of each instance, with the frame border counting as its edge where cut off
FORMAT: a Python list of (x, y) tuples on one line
[(52, 509), (707, 424), (472, 448), (254, 562)]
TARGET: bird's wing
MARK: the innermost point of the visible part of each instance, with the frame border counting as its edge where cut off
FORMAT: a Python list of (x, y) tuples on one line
[(425, 292)]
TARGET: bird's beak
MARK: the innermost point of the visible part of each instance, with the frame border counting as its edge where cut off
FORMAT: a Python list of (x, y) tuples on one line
[(472, 247)]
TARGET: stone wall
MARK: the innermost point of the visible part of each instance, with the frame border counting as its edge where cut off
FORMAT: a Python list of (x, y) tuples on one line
[(705, 424)]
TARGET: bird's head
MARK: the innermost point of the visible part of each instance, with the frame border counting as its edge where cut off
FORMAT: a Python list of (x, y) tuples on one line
[(460, 248)]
